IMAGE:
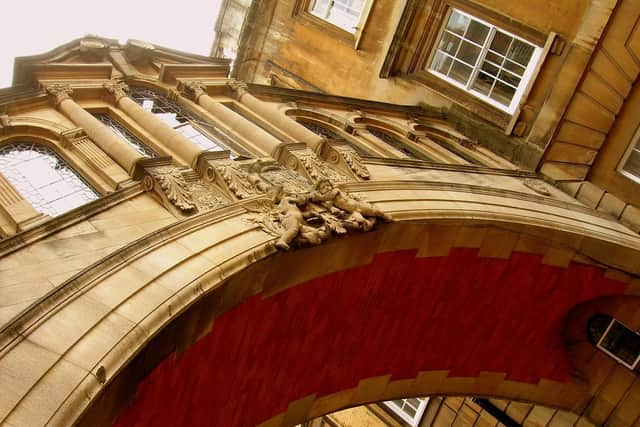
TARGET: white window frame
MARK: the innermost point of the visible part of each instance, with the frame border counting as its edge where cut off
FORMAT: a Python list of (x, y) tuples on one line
[(415, 421), (357, 30), (634, 145), (527, 78), (612, 355)]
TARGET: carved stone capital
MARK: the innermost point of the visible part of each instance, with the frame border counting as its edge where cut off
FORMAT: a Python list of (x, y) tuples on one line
[(116, 89), (239, 87), (60, 92), (193, 90)]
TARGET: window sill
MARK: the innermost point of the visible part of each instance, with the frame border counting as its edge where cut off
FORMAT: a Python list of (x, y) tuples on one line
[(335, 31), (463, 98)]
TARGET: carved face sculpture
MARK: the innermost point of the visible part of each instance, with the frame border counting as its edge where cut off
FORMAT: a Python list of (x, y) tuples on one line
[(324, 186)]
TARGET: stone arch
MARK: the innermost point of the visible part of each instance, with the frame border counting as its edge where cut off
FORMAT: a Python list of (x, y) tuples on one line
[(218, 259)]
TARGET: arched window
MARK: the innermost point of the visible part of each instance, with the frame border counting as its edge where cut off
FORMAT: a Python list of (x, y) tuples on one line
[(615, 339), (327, 133), (203, 134), (43, 178), (125, 135), (396, 143)]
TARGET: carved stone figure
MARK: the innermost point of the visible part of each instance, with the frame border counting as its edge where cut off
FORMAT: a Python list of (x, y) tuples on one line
[(310, 217), (358, 210)]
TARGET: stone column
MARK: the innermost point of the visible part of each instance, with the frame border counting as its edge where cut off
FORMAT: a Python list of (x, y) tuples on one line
[(275, 117), (177, 143), (100, 134), (260, 138)]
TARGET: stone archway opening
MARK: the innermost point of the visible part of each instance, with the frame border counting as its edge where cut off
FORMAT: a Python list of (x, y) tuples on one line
[(399, 326)]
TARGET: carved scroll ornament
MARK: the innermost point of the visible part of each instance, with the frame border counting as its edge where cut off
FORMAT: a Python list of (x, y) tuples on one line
[(353, 160), (174, 186)]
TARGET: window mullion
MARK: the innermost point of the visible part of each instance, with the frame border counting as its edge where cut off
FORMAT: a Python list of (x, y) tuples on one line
[(481, 57)]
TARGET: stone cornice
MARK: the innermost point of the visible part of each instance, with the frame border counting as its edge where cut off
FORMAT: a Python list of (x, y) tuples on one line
[(424, 164)]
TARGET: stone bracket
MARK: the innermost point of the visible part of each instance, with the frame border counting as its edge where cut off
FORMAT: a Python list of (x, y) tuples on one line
[(301, 159), (345, 158), (181, 190)]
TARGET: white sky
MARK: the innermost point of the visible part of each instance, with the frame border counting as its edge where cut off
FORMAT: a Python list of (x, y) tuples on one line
[(31, 27)]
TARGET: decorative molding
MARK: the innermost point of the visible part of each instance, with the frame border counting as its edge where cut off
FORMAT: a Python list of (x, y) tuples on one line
[(337, 153), (117, 89), (60, 92), (537, 186), (173, 184), (239, 87), (193, 90), (300, 158), (311, 217)]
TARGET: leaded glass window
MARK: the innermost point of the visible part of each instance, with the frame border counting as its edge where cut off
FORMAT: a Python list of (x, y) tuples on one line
[(484, 60), (396, 143), (43, 178), (331, 135), (125, 135), (200, 132)]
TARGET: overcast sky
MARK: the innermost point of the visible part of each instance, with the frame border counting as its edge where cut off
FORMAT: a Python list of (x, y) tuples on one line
[(31, 27)]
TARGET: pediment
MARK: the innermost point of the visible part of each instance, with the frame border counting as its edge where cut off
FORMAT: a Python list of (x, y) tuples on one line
[(94, 57)]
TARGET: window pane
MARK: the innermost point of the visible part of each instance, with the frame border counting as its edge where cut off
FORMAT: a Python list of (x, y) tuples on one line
[(633, 163), (460, 72), (509, 78), (457, 23), (441, 63), (501, 42), (502, 93), (489, 68), (449, 43), (520, 52), (494, 58), (469, 53), (483, 83), (514, 68), (477, 32), (43, 178), (622, 342), (320, 7)]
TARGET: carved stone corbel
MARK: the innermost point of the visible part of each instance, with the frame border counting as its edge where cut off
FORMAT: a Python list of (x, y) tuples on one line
[(181, 190), (301, 159), (344, 157)]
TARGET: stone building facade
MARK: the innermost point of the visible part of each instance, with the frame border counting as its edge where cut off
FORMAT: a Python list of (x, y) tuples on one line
[(180, 248)]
